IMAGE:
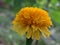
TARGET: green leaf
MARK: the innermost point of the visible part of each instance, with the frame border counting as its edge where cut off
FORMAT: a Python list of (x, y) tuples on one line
[(55, 14), (8, 1), (18, 4)]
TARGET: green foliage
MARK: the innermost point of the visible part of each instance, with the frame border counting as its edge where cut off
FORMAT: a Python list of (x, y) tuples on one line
[(42, 42), (53, 2), (18, 4), (55, 14), (8, 1)]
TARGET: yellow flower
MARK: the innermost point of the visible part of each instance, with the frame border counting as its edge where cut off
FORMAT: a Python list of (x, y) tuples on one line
[(33, 22)]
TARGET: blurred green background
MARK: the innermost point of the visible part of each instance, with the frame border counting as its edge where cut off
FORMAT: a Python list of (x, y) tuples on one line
[(8, 9)]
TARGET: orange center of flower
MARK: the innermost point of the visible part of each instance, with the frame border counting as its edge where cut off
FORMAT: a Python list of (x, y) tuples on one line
[(33, 16)]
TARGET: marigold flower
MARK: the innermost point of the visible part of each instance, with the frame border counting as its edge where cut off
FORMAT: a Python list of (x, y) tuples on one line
[(33, 22)]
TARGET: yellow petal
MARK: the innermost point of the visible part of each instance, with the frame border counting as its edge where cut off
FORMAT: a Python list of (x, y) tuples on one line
[(36, 35), (29, 33), (33, 35), (34, 28), (45, 32), (19, 29), (44, 35)]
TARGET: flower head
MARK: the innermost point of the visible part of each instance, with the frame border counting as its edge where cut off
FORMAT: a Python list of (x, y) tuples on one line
[(33, 22)]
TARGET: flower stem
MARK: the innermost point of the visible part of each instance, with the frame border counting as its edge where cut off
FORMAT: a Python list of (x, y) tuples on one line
[(28, 41)]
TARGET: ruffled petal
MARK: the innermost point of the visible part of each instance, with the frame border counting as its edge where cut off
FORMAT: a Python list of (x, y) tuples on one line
[(19, 29), (34, 28), (36, 35), (45, 32), (29, 33)]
